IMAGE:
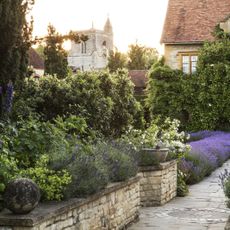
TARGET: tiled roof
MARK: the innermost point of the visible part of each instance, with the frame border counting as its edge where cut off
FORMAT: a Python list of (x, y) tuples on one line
[(139, 78), (193, 21), (35, 60)]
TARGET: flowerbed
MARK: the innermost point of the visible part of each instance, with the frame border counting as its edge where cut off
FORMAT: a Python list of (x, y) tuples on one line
[(208, 151)]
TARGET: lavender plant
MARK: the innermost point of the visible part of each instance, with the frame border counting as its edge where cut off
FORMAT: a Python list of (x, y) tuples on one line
[(206, 155), (9, 97)]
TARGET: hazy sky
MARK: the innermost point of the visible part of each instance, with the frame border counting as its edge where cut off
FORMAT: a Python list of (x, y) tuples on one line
[(132, 20)]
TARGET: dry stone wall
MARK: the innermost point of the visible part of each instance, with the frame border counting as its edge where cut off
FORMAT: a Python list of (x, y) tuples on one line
[(158, 184), (111, 209)]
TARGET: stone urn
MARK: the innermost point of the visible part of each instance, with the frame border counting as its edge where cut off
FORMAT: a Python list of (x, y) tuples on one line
[(21, 196), (153, 156)]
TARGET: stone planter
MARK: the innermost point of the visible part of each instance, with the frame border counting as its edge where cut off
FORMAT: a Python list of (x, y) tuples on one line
[(152, 156)]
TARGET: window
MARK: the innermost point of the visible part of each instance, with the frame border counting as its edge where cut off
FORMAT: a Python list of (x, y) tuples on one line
[(83, 47), (189, 63)]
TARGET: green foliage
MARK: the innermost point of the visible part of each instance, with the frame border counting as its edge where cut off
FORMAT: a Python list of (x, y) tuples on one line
[(8, 168), (52, 183), (198, 100), (227, 191), (40, 50), (182, 187), (116, 60), (94, 166), (89, 173), (165, 93), (120, 158), (55, 55), (165, 134), (126, 110), (34, 138), (28, 140), (213, 110), (105, 100), (15, 39), (225, 184), (141, 57)]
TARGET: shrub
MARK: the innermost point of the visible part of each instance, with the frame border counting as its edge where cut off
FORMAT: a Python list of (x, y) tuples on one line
[(34, 138), (52, 183), (120, 158), (197, 100), (182, 187), (165, 92), (8, 168), (89, 173), (164, 133), (106, 101)]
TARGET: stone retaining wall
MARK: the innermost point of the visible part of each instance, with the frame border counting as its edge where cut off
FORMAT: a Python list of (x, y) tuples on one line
[(113, 208), (158, 184)]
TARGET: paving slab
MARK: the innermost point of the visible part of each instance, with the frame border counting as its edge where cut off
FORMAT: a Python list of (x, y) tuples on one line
[(203, 209)]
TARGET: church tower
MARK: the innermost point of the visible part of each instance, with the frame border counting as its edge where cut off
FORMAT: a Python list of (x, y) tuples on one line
[(108, 27), (93, 53)]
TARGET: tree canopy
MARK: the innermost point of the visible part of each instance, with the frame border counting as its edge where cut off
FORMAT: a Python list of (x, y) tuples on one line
[(15, 39), (116, 60), (55, 55), (141, 57)]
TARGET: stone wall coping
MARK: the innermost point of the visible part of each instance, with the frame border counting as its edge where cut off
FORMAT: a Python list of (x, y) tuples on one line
[(161, 166), (48, 210)]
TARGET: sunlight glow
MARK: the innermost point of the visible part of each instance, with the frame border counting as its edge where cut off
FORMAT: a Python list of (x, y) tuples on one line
[(132, 20)]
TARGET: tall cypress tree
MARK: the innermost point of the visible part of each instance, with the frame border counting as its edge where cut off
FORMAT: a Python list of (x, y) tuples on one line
[(55, 55), (15, 41)]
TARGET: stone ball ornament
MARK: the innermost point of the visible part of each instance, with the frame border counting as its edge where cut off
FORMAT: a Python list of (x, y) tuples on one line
[(21, 196)]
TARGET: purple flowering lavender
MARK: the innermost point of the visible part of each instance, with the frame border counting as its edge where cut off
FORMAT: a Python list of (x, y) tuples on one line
[(9, 96), (202, 134), (206, 154)]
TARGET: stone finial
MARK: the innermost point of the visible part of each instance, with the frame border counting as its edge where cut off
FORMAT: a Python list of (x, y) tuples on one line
[(21, 196)]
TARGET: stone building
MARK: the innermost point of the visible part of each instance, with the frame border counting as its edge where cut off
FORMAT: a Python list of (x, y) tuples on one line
[(93, 53), (187, 25)]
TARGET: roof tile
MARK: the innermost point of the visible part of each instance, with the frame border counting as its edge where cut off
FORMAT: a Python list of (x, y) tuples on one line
[(189, 21)]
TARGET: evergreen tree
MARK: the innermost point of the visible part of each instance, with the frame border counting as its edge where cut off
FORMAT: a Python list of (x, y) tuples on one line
[(15, 41), (55, 54), (116, 61)]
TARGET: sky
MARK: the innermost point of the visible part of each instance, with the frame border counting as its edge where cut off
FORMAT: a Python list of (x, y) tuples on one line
[(133, 21)]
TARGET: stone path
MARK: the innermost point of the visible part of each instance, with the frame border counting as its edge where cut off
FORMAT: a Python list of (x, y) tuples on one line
[(203, 209)]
